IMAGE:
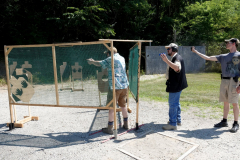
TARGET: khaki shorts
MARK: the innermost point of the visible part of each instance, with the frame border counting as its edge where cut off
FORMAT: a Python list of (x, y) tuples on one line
[(121, 97), (228, 91)]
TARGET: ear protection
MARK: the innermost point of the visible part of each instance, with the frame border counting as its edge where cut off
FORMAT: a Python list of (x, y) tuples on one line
[(174, 49)]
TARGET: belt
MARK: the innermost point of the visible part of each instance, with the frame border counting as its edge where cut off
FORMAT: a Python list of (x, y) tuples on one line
[(226, 77)]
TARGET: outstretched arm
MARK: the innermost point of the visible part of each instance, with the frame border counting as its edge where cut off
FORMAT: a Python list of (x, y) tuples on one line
[(95, 63), (211, 58)]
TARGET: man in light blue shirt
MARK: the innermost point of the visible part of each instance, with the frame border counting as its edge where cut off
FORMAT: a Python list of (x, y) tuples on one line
[(121, 85)]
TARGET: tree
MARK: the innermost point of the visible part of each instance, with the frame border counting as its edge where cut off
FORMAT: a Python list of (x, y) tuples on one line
[(209, 21)]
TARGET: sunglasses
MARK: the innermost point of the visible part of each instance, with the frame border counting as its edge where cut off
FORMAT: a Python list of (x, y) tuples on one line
[(228, 42), (168, 49)]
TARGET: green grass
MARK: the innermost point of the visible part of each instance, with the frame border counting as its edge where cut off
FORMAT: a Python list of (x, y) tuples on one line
[(202, 91), (3, 81)]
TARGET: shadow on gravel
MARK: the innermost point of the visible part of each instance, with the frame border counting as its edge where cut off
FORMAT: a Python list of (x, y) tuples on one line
[(208, 133), (100, 121), (54, 140), (61, 139), (3, 125)]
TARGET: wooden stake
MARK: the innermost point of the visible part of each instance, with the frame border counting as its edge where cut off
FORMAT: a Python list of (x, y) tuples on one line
[(113, 85), (139, 63), (8, 83), (55, 73), (15, 113)]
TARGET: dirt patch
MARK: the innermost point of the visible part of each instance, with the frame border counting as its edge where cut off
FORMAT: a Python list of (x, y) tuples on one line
[(154, 145)]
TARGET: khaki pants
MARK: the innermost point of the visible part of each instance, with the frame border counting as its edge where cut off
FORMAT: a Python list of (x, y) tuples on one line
[(121, 97), (228, 91)]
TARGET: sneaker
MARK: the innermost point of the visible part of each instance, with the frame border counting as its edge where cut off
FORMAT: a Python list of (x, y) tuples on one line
[(234, 128), (179, 124), (169, 127), (221, 124)]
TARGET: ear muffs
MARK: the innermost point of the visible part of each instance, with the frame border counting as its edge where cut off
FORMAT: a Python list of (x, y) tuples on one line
[(174, 49)]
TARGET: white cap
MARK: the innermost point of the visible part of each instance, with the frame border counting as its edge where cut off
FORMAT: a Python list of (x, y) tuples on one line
[(172, 45), (232, 40)]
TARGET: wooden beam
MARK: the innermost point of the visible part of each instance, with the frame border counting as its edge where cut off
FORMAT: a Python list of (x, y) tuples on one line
[(58, 44), (33, 118), (139, 63), (121, 40), (114, 92), (83, 43), (27, 119), (109, 103), (32, 45), (12, 99), (107, 46), (8, 83), (66, 106), (55, 73), (17, 125), (77, 90), (9, 50), (133, 46)]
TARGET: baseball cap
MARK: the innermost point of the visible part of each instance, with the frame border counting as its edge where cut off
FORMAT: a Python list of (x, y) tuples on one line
[(232, 40), (172, 45)]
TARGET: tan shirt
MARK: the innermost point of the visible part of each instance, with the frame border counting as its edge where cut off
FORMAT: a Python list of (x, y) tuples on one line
[(177, 62)]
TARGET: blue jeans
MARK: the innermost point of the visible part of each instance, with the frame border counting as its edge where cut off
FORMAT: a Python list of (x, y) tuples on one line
[(174, 108)]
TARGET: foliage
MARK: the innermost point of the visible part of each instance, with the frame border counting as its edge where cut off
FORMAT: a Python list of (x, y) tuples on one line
[(192, 22), (211, 21)]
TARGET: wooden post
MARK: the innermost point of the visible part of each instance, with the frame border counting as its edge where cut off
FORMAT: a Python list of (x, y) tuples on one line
[(73, 83), (139, 63), (114, 92), (82, 78), (129, 109), (128, 91), (99, 93), (15, 113), (61, 82), (55, 73), (8, 83), (29, 110)]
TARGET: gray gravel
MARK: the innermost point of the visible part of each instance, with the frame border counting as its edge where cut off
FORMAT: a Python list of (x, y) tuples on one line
[(65, 133)]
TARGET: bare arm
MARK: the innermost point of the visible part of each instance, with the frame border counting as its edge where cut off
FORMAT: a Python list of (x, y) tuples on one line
[(211, 58), (172, 65), (95, 63)]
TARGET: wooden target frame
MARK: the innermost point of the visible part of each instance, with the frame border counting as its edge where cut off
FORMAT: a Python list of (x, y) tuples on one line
[(14, 122)]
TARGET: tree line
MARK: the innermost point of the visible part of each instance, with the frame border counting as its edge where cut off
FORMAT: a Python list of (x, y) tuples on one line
[(188, 22)]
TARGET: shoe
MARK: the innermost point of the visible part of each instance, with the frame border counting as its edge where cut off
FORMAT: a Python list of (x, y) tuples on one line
[(125, 125), (169, 127), (179, 124), (234, 128), (108, 130), (221, 124)]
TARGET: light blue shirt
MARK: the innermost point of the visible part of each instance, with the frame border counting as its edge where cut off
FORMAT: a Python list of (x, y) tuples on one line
[(121, 81)]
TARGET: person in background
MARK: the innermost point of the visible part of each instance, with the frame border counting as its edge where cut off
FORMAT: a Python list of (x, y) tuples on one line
[(229, 81)]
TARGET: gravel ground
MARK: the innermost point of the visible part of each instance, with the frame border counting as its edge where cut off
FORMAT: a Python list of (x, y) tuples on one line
[(68, 133)]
